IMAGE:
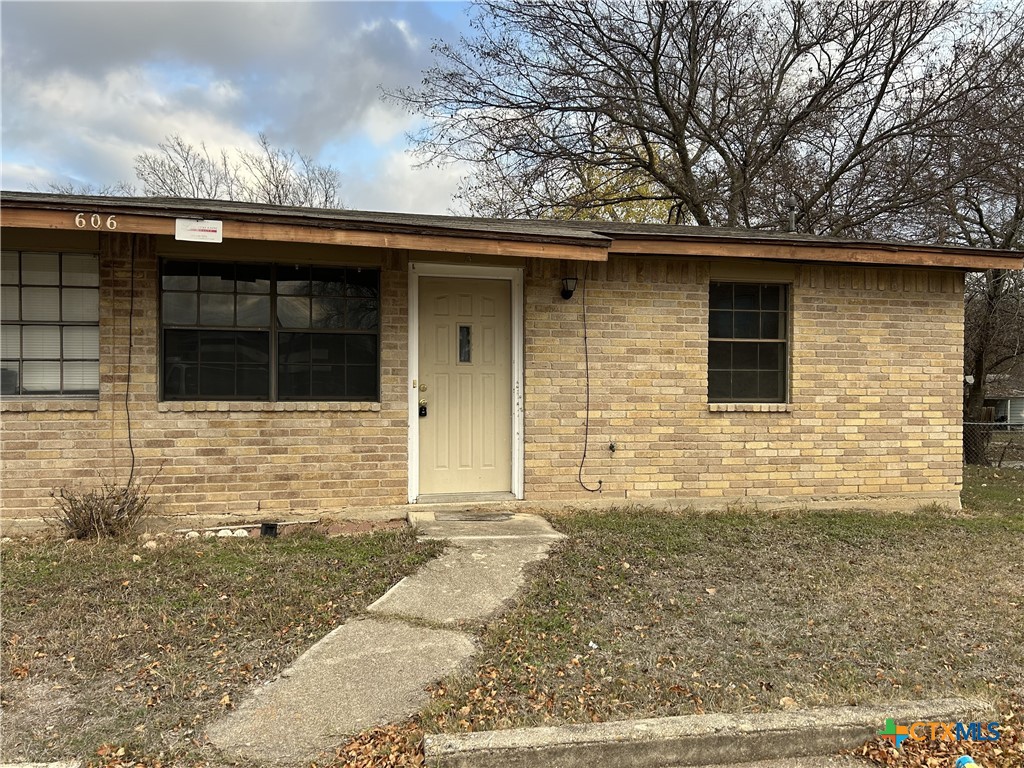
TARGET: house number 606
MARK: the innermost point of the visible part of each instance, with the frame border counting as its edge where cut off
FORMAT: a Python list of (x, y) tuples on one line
[(95, 221)]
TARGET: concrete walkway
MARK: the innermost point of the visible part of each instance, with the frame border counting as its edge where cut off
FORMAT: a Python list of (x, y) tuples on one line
[(375, 670)]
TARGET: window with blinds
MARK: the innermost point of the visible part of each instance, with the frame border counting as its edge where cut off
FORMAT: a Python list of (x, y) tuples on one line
[(49, 324)]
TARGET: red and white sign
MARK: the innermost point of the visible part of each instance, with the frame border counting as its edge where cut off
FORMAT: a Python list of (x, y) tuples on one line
[(199, 230)]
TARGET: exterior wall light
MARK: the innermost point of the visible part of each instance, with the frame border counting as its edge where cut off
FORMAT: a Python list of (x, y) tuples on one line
[(568, 287)]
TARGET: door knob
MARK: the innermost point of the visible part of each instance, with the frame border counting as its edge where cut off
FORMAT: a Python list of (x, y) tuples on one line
[(423, 408)]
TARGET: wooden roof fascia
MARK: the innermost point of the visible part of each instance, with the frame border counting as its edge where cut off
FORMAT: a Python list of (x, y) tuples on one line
[(895, 255), (322, 234)]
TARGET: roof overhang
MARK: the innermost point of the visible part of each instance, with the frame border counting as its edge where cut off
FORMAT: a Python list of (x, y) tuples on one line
[(894, 254), (295, 228), (580, 241)]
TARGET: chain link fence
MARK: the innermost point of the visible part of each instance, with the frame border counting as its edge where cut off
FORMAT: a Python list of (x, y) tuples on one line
[(994, 444)]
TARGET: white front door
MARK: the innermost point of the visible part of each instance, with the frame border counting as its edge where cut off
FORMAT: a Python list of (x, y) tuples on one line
[(464, 393)]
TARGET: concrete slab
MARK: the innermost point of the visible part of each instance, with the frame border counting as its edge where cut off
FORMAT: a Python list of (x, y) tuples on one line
[(468, 522), (472, 580), (362, 674), (696, 740)]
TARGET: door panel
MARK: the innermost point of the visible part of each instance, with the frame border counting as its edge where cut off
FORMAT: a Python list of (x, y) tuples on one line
[(465, 363)]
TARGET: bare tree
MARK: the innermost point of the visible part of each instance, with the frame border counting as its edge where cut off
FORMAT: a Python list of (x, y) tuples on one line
[(268, 174), (897, 120), (120, 189), (722, 110)]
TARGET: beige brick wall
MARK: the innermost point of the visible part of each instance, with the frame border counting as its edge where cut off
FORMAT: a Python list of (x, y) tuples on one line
[(876, 365), (208, 460), (874, 411)]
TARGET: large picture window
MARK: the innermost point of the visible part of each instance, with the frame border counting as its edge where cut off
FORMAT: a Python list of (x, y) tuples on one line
[(270, 332), (49, 324), (747, 343)]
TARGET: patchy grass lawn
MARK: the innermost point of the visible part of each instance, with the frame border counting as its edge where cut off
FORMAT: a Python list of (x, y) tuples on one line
[(107, 643), (636, 614), (642, 614)]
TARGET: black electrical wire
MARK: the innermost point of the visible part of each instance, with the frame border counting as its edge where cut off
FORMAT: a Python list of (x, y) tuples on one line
[(586, 366), (128, 380)]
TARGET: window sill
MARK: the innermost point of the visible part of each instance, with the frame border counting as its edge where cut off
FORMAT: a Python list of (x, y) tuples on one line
[(750, 407), (203, 406), (21, 405)]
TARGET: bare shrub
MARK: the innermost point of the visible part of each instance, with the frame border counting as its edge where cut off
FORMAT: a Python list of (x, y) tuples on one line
[(111, 511)]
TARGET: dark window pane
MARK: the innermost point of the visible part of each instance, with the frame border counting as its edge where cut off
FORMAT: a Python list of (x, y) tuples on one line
[(361, 350), (293, 348), (328, 312), (181, 346), (719, 386), (720, 355), (293, 311), (252, 381), (744, 356), (293, 281), (253, 348), (219, 278), (180, 276), (770, 357), (744, 385), (363, 315), (721, 296), (252, 278), (328, 382), (770, 385), (747, 325), (293, 381), (362, 382), (465, 346), (328, 348), (746, 296), (10, 383), (328, 281), (253, 310), (216, 379), (771, 326), (180, 308), (720, 325), (180, 379), (216, 309), (363, 283), (771, 297), (217, 347)]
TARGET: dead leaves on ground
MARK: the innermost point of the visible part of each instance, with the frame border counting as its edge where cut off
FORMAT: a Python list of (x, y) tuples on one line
[(390, 746)]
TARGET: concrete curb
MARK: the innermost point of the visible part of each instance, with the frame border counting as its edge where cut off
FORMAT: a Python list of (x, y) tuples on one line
[(689, 740)]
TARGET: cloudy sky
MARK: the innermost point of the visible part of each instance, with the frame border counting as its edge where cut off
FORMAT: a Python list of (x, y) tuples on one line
[(87, 86)]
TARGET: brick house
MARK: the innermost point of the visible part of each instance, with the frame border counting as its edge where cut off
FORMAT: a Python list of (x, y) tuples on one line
[(259, 362)]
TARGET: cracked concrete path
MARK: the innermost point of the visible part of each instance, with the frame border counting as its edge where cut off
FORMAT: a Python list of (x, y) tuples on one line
[(375, 670), (476, 575)]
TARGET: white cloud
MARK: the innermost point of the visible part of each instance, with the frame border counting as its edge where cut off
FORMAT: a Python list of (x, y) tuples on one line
[(88, 86), (403, 187)]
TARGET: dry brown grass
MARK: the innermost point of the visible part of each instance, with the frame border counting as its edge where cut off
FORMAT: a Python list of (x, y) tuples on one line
[(643, 614), (107, 643)]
